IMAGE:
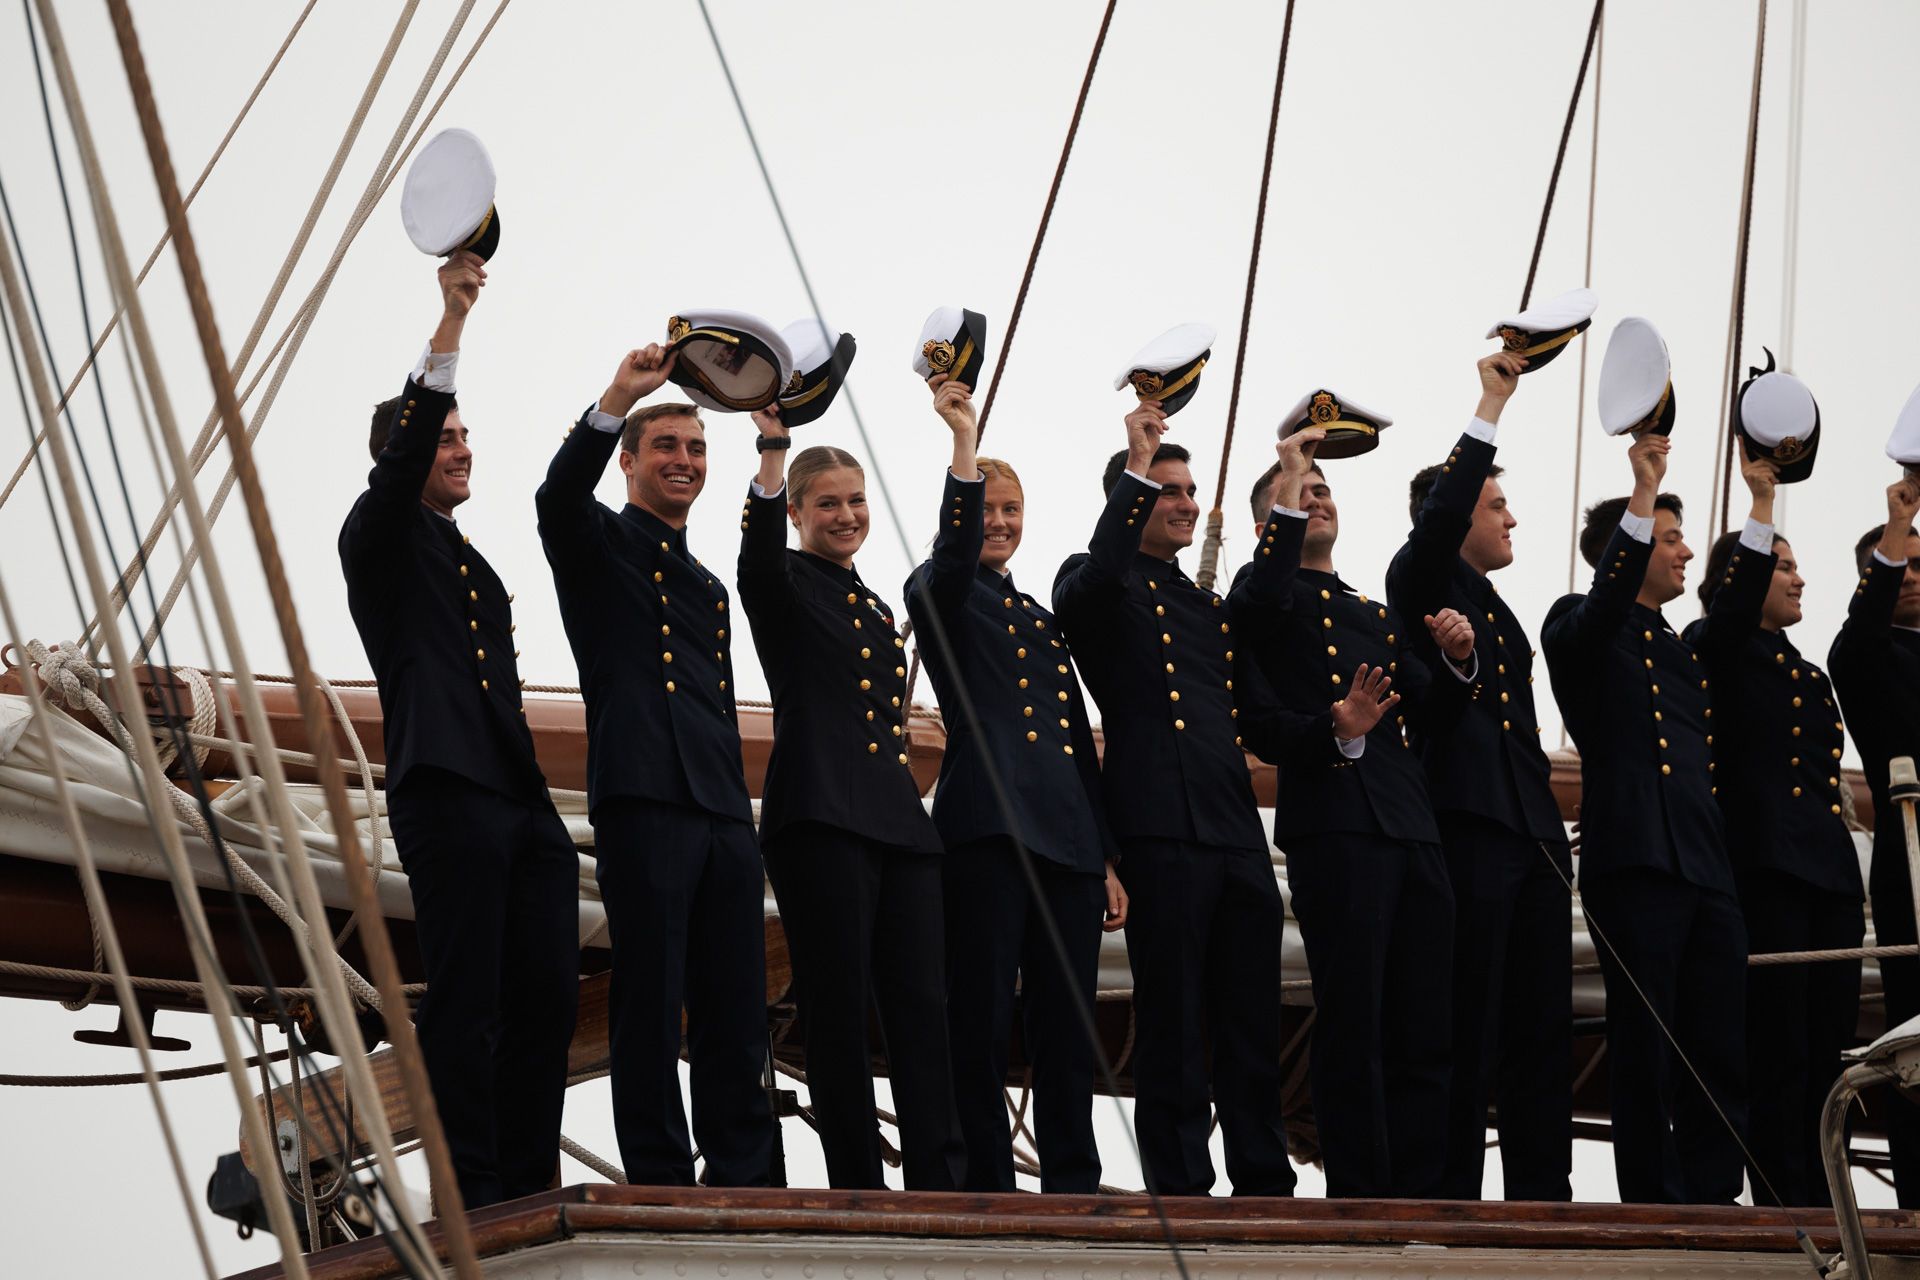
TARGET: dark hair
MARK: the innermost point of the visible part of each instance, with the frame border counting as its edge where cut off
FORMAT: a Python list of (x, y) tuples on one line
[(1261, 504), (1718, 558), (383, 416), (1117, 464), (1863, 549), (636, 425), (1604, 517), (1423, 481)]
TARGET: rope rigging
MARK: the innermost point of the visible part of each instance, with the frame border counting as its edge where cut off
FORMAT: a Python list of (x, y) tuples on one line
[(1210, 548), (1726, 443), (1560, 153)]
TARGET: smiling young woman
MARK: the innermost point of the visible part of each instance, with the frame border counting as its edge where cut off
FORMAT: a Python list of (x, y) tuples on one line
[(849, 848)]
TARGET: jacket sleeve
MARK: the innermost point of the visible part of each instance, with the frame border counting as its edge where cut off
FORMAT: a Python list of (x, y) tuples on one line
[(1100, 576), (949, 573), (386, 511), (569, 514), (1270, 729), (1736, 608), (1597, 617), (1422, 573), (766, 592), (1435, 695), (1862, 652)]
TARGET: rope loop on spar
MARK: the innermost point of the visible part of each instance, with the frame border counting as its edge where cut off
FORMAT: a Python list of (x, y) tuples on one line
[(1046, 216), (1210, 548)]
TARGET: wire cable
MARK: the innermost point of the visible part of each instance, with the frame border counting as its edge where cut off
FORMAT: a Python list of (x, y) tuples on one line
[(944, 641)]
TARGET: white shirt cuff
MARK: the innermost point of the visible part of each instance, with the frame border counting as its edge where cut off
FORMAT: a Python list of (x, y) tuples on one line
[(978, 477), (1288, 511), (758, 492), (1757, 537), (1481, 430), (1468, 676), (1151, 484), (1351, 748), (1891, 564), (607, 422), (1639, 528), (435, 370)]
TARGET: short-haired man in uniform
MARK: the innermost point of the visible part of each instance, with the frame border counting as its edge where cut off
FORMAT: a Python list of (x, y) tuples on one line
[(1875, 666), (494, 875), (1500, 827), (1655, 880), (1178, 696), (676, 857), (1364, 864)]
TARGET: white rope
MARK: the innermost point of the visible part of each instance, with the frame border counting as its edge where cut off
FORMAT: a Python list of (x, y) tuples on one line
[(69, 673), (113, 321), (335, 1005)]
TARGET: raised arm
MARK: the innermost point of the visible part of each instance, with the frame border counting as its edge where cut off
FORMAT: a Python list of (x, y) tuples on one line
[(1737, 605), (414, 435), (1265, 591), (1104, 570), (1865, 641), (765, 590), (948, 574), (1622, 570), (569, 515), (1422, 573)]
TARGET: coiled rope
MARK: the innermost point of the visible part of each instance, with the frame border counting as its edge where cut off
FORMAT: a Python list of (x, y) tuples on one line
[(1210, 547)]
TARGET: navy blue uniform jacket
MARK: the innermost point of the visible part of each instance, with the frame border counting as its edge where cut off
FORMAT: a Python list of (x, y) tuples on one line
[(1876, 668), (651, 632), (838, 671), (1027, 717), (1779, 742), (1489, 762), (435, 620), (1638, 701), (1180, 696), (1311, 630)]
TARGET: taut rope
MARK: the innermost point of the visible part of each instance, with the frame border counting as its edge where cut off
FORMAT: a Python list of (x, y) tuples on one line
[(1740, 274), (1210, 548), (1046, 216), (1560, 155)]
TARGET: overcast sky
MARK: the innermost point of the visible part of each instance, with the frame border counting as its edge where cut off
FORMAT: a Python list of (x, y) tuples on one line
[(912, 148)]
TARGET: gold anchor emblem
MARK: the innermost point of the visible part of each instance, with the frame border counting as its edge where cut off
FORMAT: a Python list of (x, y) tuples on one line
[(939, 354)]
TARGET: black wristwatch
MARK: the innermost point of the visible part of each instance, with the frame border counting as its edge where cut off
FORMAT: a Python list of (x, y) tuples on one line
[(764, 443)]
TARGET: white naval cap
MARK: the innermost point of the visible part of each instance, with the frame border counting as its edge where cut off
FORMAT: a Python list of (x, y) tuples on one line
[(1636, 380), (1776, 415), (953, 341), (729, 361), (1352, 428), (1543, 330), (447, 201), (1168, 368), (821, 357), (1903, 446)]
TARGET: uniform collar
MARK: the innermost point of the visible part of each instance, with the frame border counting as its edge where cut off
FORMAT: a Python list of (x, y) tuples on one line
[(846, 577), (675, 539), (996, 579), (1172, 567), (1645, 615), (1321, 578)]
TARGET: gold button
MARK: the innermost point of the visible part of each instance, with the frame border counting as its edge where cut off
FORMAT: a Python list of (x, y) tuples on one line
[(1006, 602), (896, 700), (854, 599), (1833, 782), (473, 595), (720, 606), (1835, 809), (866, 653), (1796, 702), (1836, 753), (873, 748), (900, 671), (903, 757), (1327, 623), (1159, 611), (484, 685), (1010, 629), (856, 624), (1504, 698), (666, 657), (1795, 762), (1796, 793), (1649, 662), (1062, 695), (1023, 682), (1229, 655), (1709, 739), (1392, 638), (1796, 731), (1383, 613), (1325, 594), (866, 684), (1152, 585), (723, 684), (869, 715), (665, 630), (1666, 769), (1026, 711), (670, 686), (1031, 735), (1644, 635), (1224, 627), (1062, 668), (657, 575), (472, 625), (480, 654), (1663, 744), (1336, 678), (1179, 724), (1068, 748), (463, 571), (899, 643), (1165, 638), (1019, 653), (721, 634), (896, 731), (1063, 723), (1173, 695), (1506, 724), (1779, 657)]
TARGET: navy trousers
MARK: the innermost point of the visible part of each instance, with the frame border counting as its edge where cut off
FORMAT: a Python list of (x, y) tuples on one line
[(1804, 1015), (996, 943), (1512, 1010), (864, 927), (1203, 939), (685, 911), (1686, 949), (1377, 917), (496, 901)]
